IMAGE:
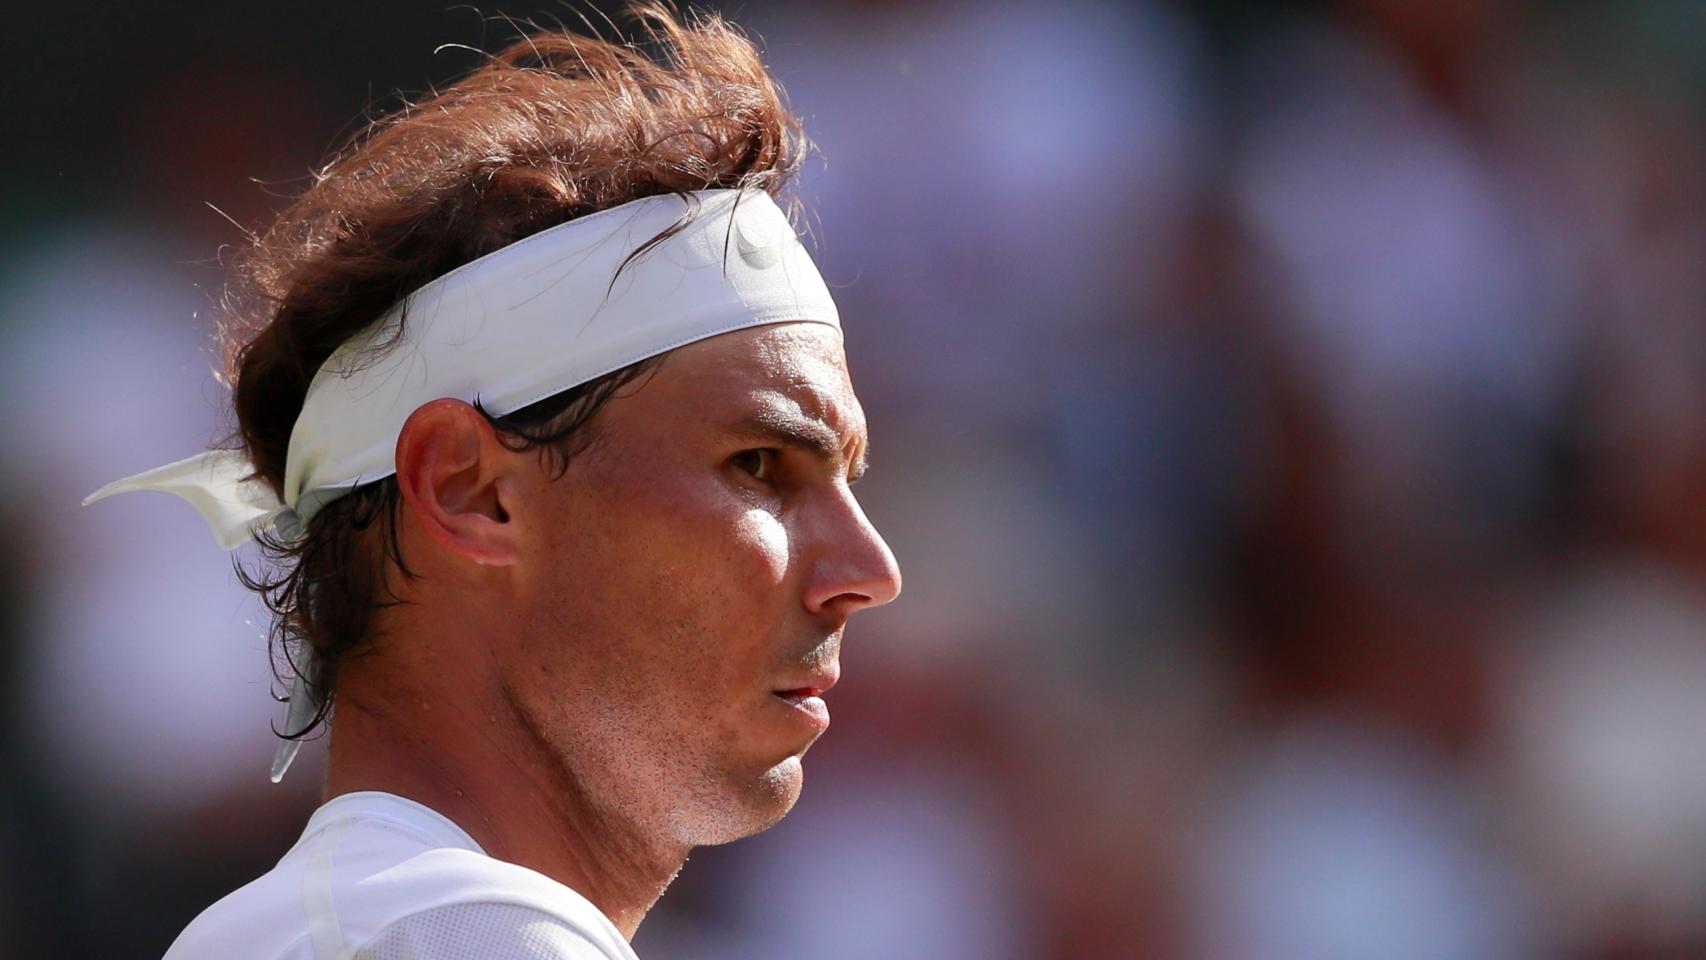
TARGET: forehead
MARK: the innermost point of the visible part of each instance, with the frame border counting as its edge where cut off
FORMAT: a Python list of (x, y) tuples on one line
[(799, 367)]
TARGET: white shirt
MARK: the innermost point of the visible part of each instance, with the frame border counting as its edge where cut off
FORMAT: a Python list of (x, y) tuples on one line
[(379, 877)]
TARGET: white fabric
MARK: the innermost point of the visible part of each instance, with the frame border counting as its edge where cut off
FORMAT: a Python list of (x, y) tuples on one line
[(480, 931), (523, 323), (379, 877)]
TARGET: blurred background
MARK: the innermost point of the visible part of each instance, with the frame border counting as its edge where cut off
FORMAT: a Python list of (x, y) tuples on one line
[(1290, 418)]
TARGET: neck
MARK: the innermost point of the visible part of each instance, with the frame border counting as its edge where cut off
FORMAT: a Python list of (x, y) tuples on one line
[(501, 785)]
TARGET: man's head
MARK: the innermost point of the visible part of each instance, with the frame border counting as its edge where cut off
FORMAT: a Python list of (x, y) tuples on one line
[(655, 615), (580, 562)]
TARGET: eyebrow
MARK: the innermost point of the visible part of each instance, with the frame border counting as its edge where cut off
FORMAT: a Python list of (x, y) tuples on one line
[(806, 433)]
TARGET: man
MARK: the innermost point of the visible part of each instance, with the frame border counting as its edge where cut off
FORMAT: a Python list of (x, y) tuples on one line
[(547, 428)]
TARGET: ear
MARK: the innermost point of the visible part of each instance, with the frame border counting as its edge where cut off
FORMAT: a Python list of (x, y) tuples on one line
[(455, 476)]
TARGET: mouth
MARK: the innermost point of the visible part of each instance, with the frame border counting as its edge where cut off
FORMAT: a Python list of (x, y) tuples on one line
[(806, 707), (815, 684), (806, 702)]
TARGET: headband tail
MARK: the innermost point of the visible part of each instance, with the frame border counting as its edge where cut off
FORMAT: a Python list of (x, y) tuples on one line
[(303, 705), (217, 484)]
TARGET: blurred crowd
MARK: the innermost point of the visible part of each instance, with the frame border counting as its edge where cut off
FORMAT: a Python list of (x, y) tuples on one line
[(1290, 419)]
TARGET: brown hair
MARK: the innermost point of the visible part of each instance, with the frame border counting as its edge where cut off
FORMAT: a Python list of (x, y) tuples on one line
[(554, 127)]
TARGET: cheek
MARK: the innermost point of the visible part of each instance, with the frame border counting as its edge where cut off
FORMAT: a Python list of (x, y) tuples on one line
[(668, 584), (758, 543), (707, 540), (718, 614), (724, 598)]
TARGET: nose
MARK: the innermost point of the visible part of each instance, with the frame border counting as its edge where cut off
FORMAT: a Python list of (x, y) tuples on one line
[(853, 567)]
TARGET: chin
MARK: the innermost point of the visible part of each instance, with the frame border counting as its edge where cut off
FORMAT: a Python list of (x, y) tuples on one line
[(746, 808)]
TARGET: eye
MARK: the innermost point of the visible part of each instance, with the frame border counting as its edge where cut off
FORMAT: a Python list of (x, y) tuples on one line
[(761, 463)]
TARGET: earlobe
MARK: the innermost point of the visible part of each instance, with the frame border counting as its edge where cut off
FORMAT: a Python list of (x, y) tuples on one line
[(453, 472)]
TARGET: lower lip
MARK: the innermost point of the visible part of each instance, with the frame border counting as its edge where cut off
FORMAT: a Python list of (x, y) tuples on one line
[(811, 709)]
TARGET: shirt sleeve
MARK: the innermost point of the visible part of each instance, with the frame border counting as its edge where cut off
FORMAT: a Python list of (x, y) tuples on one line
[(483, 931)]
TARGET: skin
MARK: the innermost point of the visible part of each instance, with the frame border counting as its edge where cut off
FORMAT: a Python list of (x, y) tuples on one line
[(585, 676)]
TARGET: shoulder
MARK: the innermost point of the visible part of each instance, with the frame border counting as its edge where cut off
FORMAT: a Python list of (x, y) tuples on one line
[(458, 897), (489, 931), (361, 880)]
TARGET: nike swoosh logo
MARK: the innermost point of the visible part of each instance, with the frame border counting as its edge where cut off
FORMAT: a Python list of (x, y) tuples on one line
[(758, 251)]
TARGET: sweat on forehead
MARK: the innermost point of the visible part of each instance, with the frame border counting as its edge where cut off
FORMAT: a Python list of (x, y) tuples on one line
[(785, 384)]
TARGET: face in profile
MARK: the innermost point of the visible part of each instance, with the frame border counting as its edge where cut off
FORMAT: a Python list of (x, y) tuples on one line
[(684, 586)]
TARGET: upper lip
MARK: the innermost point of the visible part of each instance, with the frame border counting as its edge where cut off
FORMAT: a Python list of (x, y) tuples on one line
[(815, 684)]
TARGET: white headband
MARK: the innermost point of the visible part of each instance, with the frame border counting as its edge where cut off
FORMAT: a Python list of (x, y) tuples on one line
[(516, 326)]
